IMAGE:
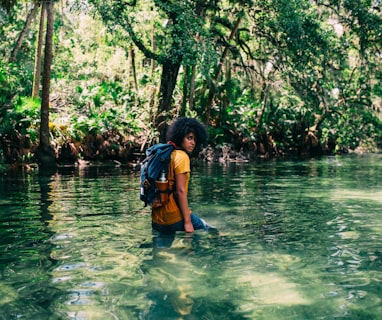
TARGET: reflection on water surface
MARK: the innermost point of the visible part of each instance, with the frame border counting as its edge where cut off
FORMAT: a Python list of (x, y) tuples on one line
[(298, 240)]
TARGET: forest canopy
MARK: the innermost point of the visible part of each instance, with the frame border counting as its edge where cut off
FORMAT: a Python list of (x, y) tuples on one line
[(268, 78)]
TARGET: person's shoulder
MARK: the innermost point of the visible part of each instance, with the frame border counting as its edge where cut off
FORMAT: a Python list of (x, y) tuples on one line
[(180, 161), (179, 155)]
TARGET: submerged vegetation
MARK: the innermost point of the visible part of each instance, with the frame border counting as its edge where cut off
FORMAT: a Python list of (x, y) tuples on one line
[(268, 78)]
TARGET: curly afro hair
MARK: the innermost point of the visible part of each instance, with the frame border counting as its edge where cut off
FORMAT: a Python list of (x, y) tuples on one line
[(180, 127)]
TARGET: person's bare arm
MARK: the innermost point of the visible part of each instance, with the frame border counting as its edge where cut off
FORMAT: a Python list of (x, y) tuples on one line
[(181, 191)]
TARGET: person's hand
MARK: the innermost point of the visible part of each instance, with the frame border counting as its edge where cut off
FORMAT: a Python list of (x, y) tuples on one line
[(188, 227)]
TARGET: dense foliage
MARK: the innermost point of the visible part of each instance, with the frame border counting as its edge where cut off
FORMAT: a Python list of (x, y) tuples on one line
[(267, 77)]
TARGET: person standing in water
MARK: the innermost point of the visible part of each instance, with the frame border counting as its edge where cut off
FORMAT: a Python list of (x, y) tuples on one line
[(188, 135)]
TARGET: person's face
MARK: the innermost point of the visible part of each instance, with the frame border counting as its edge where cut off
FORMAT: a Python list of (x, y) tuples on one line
[(189, 142)]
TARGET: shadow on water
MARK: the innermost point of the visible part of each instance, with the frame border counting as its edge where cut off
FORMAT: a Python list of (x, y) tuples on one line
[(298, 240), (176, 282)]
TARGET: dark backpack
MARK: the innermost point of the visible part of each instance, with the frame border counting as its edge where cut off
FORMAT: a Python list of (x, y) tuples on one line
[(157, 161)]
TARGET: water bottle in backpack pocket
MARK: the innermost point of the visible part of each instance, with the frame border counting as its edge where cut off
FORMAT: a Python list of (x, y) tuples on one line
[(162, 191)]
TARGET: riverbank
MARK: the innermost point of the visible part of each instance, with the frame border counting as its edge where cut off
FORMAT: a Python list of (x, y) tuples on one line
[(113, 148), (223, 155)]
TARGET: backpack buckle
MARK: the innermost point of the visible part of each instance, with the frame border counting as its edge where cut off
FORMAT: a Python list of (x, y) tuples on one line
[(146, 184)]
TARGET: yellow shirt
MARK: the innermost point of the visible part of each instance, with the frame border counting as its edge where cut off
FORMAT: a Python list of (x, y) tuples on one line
[(170, 213)]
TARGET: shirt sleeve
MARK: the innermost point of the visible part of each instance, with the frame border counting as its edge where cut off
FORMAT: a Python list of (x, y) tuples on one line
[(181, 162)]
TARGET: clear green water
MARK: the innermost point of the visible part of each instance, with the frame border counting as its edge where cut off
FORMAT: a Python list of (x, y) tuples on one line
[(298, 240)]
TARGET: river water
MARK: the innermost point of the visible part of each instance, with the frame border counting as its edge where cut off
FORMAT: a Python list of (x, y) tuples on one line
[(298, 240)]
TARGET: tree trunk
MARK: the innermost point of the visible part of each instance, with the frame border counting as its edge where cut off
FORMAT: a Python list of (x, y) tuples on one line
[(219, 68), (192, 88), (134, 71), (153, 49), (38, 57), (170, 72), (185, 90), (23, 33), (45, 153)]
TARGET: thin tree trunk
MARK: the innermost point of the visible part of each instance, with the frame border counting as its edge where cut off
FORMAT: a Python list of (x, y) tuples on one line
[(23, 33), (129, 85), (46, 152), (155, 89), (168, 82), (185, 94), (134, 71), (153, 49), (264, 98), (226, 98), (212, 90), (264, 95), (38, 57), (192, 88)]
